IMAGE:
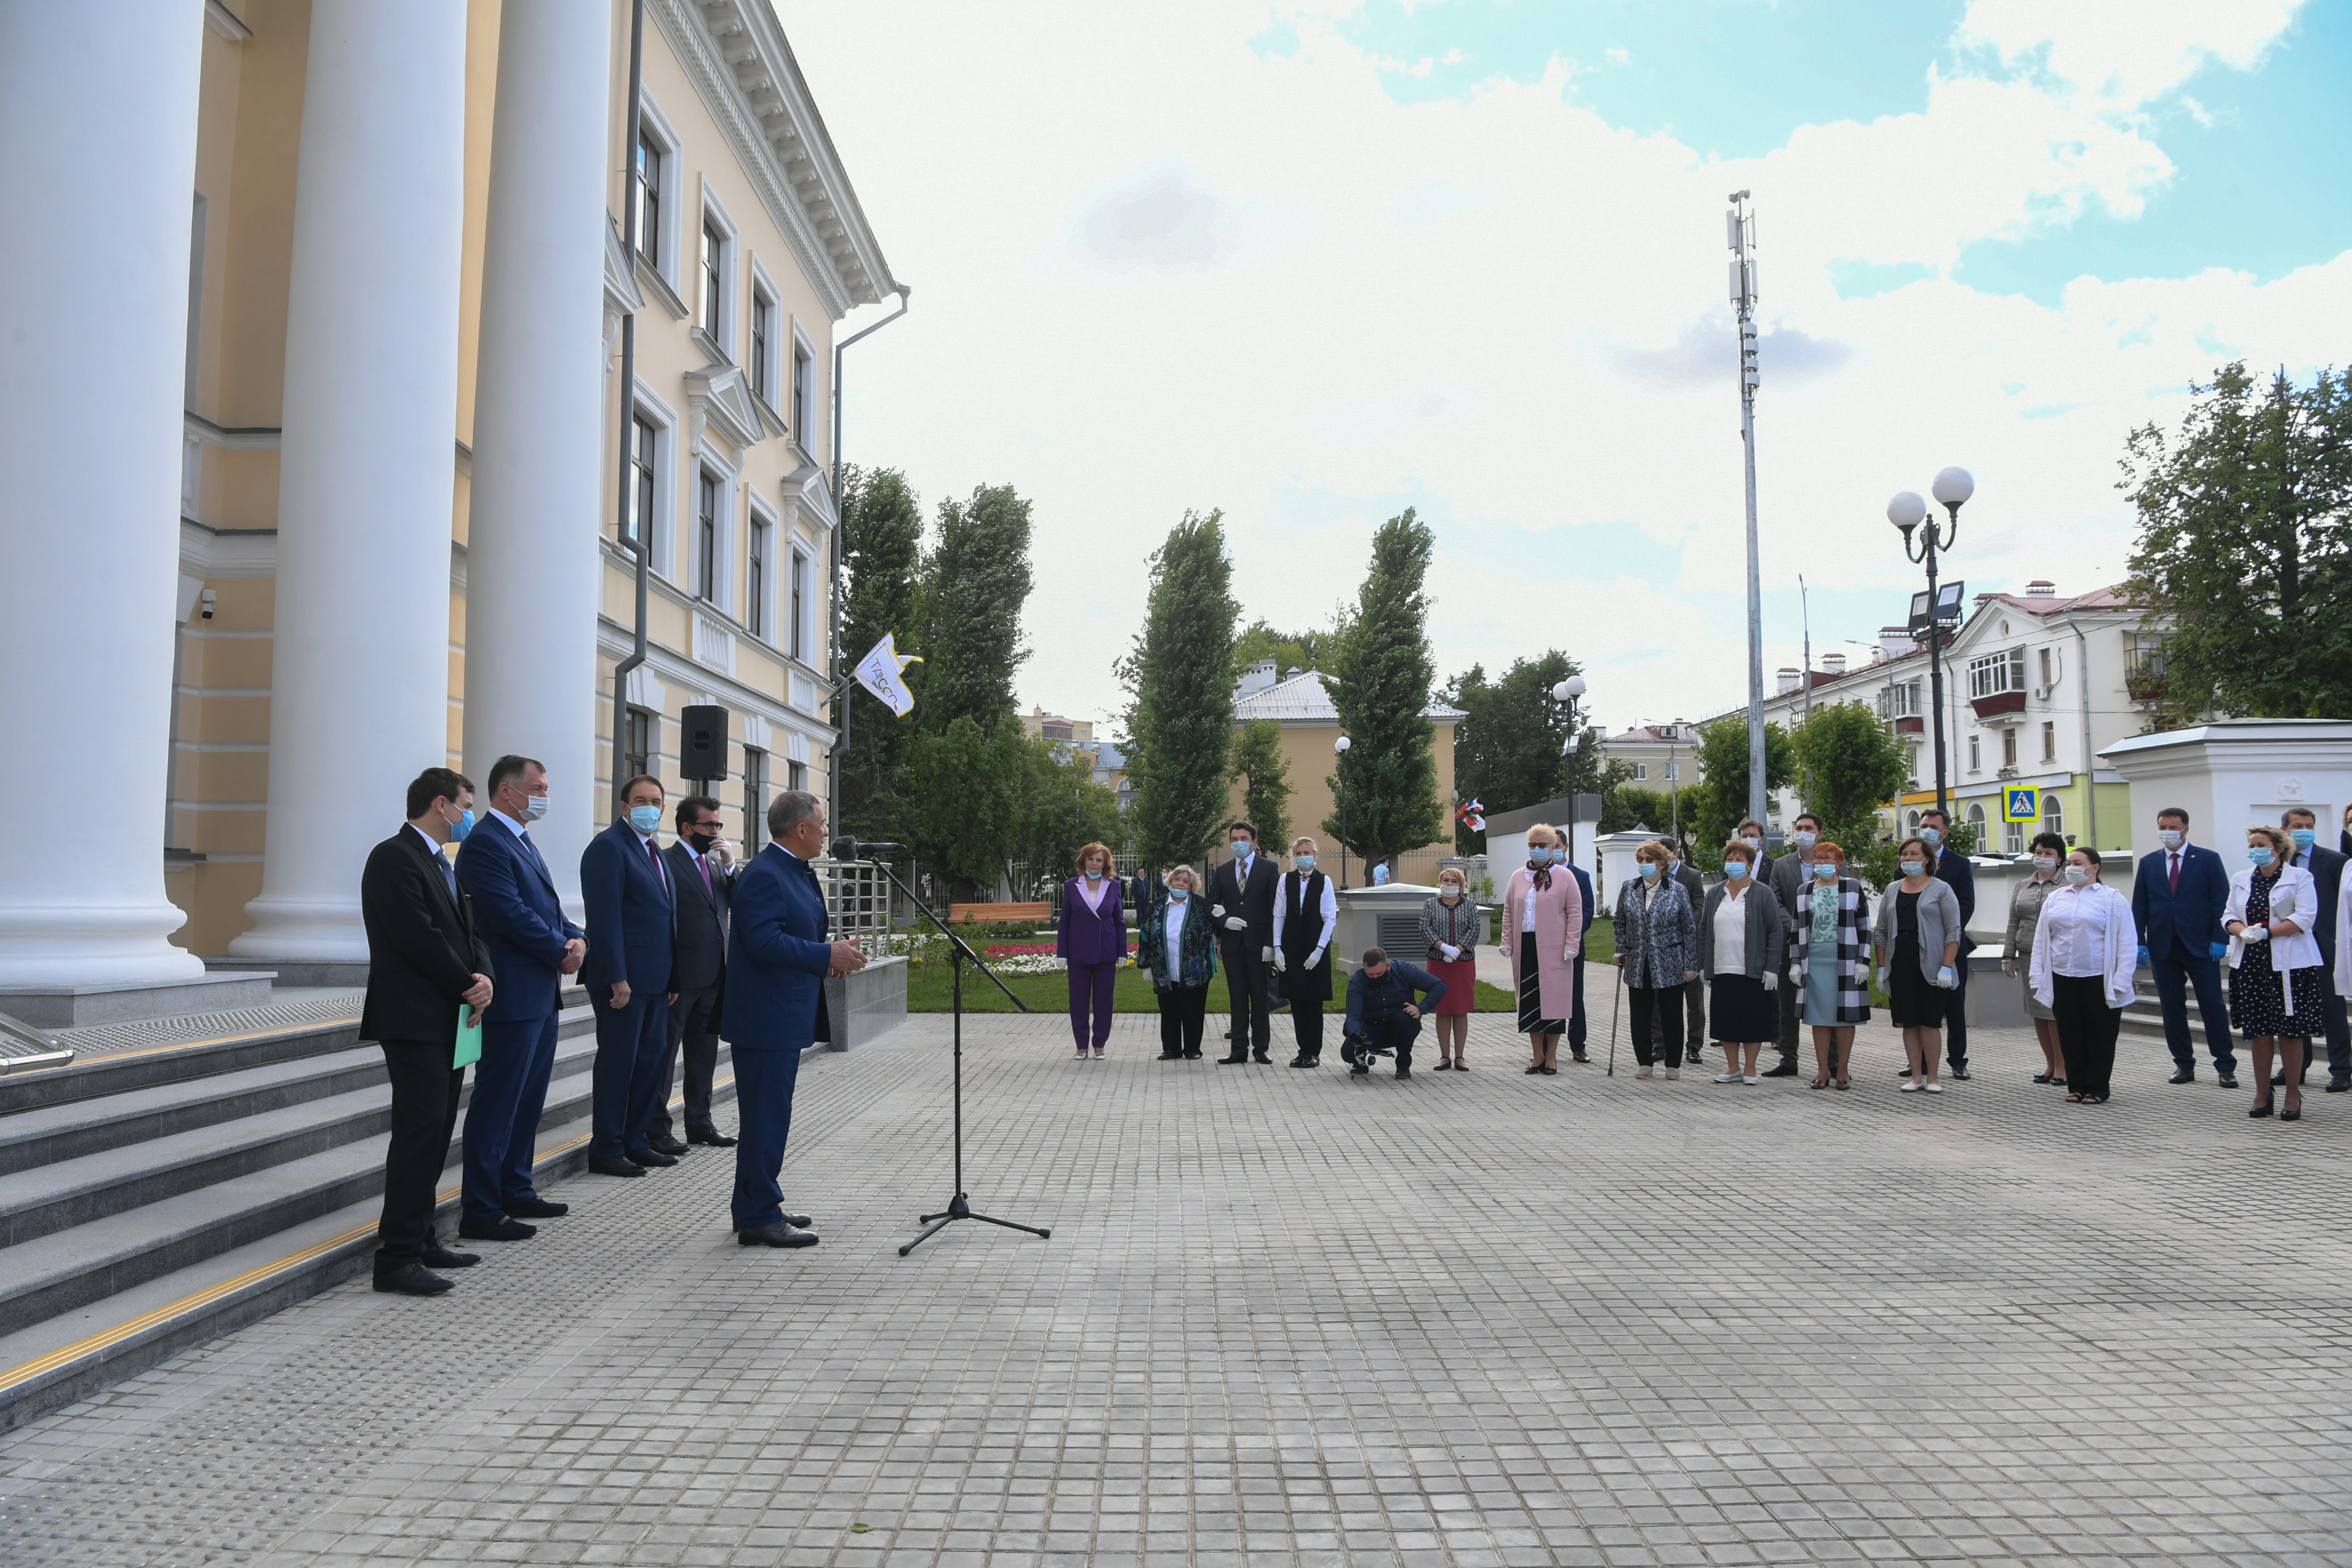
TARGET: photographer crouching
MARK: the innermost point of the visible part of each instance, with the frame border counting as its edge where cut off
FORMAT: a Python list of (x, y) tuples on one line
[(1384, 1011)]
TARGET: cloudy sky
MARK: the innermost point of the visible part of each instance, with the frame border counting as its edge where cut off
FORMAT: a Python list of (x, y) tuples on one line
[(1313, 263)]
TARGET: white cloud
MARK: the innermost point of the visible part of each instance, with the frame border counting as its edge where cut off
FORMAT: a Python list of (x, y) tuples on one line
[(1159, 217), (2120, 55)]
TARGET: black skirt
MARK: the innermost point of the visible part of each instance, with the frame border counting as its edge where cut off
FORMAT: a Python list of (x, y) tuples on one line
[(1741, 1011), (1531, 1018), (1911, 1001)]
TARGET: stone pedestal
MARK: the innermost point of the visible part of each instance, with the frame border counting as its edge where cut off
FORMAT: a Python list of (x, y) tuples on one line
[(867, 1005), (2234, 773)]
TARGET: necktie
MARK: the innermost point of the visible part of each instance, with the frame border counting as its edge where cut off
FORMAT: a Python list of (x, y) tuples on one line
[(704, 864), (655, 855), (448, 876), (2176, 871)]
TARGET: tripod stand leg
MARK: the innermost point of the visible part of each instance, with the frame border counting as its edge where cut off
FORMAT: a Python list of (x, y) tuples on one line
[(1009, 1224), (941, 1222)]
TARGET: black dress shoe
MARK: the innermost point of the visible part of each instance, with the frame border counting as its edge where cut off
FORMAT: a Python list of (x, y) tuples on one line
[(616, 1166), (1362, 1070), (1404, 1072), (2186, 1075), (498, 1229), (1172, 1056), (797, 1221), (536, 1208), (1959, 1073), (2227, 1081), (1192, 1056), (710, 1135), (1786, 1070), (438, 1257), (667, 1145), (411, 1280), (1233, 1062), (1263, 1060), (651, 1156), (2338, 1085), (775, 1236), (1579, 1055)]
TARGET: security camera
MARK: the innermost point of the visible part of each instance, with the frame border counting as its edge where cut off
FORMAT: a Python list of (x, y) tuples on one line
[(207, 599)]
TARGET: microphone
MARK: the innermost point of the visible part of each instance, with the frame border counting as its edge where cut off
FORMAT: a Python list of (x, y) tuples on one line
[(846, 847)]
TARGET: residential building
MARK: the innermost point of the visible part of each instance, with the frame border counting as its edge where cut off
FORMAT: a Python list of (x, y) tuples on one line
[(1662, 756)]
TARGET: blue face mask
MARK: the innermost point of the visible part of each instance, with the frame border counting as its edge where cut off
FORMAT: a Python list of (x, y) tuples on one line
[(461, 827), (2303, 837), (1243, 849), (1734, 870), (2260, 857), (644, 819), (1915, 868), (1559, 855), (1180, 894), (1649, 872), (1304, 863), (1825, 871), (1931, 837)]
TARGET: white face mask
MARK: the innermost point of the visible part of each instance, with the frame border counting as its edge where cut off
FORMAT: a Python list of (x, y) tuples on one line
[(1752, 844), (2078, 875), (2169, 837), (2045, 862), (1804, 839), (534, 806)]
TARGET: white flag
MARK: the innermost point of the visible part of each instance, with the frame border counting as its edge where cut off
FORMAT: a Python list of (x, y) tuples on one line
[(880, 673)]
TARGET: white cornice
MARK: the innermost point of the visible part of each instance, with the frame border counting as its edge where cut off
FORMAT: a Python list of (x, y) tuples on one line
[(233, 438), (225, 22), (718, 399), (735, 54), (227, 552), (809, 486)]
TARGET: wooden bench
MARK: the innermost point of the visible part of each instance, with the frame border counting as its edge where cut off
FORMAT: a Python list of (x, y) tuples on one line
[(961, 914)]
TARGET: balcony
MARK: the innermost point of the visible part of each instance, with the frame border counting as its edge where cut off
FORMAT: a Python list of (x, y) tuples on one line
[(2145, 684), (1997, 703), (1911, 724)]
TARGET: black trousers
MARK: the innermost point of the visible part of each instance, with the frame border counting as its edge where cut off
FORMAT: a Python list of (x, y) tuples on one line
[(424, 1094), (1660, 1008), (1956, 1020), (1792, 998), (1307, 1025), (1183, 1014), (1248, 985), (1695, 1015), (693, 1029), (2087, 1028)]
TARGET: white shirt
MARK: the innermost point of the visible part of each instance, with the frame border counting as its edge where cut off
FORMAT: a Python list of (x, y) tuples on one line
[(512, 826), (1329, 909), (1177, 909), (1527, 906), (426, 837), (1731, 931), (2075, 926)]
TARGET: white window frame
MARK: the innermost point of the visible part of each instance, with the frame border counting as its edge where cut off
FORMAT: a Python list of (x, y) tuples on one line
[(658, 130), (2012, 838), (799, 563), (1991, 675), (1976, 754), (2054, 813), (800, 409), (1976, 820), (764, 290), (1641, 771), (714, 214), (759, 619), (722, 590), (664, 419)]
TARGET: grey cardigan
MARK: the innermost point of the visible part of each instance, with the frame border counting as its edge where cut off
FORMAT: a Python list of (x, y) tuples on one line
[(1939, 925), (1767, 937)]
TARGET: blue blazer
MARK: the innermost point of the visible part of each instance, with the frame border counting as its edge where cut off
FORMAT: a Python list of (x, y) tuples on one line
[(777, 954), (2327, 868), (2193, 915), (1585, 889), (632, 914), (1952, 869), (518, 916)]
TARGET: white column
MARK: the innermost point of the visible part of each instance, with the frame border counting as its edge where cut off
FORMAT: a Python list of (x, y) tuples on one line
[(99, 98), (360, 676), (533, 573)]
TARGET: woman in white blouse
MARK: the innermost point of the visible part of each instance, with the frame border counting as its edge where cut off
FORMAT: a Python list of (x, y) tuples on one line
[(2085, 949), (2275, 1000)]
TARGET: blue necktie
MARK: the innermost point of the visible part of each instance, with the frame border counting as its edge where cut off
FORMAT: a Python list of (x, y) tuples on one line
[(449, 875)]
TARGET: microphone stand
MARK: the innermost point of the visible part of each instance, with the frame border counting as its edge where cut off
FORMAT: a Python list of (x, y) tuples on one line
[(960, 1205)]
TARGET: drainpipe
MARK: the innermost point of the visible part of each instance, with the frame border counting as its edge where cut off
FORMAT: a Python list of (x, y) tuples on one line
[(840, 527), (635, 540), (2090, 761)]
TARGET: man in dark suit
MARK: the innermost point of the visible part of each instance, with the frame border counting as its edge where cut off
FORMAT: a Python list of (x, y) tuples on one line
[(2327, 868), (1787, 875), (1576, 1028), (424, 965), (632, 953), (702, 869), (778, 957), (1241, 901), (2179, 892), (534, 945), (1953, 871)]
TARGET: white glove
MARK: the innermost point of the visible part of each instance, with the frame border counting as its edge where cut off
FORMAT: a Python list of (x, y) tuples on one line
[(1568, 953), (1281, 967), (1217, 910), (2009, 968), (1772, 981), (1061, 963), (1235, 922), (1315, 957), (2254, 933), (1946, 978), (1450, 950), (1267, 954)]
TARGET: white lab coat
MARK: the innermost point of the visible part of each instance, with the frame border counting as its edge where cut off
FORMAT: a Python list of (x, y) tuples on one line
[(2294, 896)]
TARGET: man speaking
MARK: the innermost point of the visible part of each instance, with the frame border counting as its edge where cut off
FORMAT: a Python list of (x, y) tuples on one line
[(777, 962)]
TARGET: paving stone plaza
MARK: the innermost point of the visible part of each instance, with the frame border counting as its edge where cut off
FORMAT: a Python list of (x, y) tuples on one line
[(1291, 1318)]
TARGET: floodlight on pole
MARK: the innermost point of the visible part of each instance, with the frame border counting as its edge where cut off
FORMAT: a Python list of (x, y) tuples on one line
[(1739, 232)]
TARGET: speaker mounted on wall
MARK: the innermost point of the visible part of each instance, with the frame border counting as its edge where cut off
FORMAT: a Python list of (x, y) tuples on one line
[(702, 742)]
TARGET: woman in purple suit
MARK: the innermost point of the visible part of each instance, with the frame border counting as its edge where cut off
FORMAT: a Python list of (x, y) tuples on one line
[(1090, 938)]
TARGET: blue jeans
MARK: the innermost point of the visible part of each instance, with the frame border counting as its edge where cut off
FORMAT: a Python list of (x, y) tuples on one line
[(502, 1118), (763, 1117), (631, 1044), (2175, 972)]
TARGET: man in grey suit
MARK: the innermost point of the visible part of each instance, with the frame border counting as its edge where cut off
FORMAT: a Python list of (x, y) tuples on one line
[(702, 869)]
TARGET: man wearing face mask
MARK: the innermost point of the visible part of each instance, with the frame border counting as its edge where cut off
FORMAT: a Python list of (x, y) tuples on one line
[(702, 870), (2179, 892), (1240, 902), (1953, 871), (533, 946), (632, 902), (2327, 868), (1790, 878), (1575, 1028)]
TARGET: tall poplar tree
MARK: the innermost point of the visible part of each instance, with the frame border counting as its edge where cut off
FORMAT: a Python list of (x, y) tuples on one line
[(1180, 684), (882, 563), (1381, 680)]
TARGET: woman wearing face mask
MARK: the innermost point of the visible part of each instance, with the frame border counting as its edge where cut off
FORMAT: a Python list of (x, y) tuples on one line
[(1449, 929), (1741, 944), (1543, 925), (1917, 941), (2086, 950), (1832, 964), (2025, 902), (1305, 918), (1657, 951), (1177, 942), (1090, 938), (2275, 983)]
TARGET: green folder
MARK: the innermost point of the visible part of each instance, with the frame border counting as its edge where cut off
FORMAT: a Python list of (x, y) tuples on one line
[(470, 1040)]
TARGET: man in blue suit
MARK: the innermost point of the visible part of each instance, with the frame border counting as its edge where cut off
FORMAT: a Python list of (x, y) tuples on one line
[(632, 951), (778, 957), (2327, 868), (532, 945), (2177, 895), (1952, 869)]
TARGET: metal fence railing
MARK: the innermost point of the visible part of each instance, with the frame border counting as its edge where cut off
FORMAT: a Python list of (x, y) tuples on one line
[(858, 901)]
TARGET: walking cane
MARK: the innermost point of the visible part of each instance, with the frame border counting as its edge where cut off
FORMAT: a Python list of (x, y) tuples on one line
[(1616, 1000)]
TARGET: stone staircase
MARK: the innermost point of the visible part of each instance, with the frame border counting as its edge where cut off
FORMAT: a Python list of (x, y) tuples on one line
[(152, 1199)]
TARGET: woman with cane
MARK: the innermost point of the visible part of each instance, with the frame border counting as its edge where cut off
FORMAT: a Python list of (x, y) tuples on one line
[(1657, 955)]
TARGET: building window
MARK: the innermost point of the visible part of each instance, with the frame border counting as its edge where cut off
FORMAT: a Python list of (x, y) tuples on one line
[(1977, 825), (2012, 838), (642, 492), (756, 615), (802, 390), (706, 539), (1899, 701), (796, 775), (713, 292), (2049, 679), (763, 316), (2009, 748), (1641, 770), (1976, 757), (2053, 816), (2049, 742), (795, 626), (1997, 672), (649, 182), (637, 744), (755, 799)]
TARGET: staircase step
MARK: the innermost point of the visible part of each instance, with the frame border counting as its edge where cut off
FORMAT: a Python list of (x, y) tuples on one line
[(124, 1072)]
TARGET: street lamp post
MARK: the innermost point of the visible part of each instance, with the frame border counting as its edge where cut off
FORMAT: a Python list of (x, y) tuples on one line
[(1906, 511), (1340, 747)]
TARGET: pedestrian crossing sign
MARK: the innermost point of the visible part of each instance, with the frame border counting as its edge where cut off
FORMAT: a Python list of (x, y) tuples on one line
[(2020, 805)]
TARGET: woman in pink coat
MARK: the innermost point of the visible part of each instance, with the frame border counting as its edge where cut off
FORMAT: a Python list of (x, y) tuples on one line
[(1543, 921)]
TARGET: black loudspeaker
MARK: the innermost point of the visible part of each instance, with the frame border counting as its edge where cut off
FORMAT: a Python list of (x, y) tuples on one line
[(702, 742)]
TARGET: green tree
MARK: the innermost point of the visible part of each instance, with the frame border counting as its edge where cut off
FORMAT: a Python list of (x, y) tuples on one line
[(976, 583), (1180, 682), (1510, 748), (1852, 764), (2244, 555), (1381, 680), (965, 794), (882, 566), (1259, 765), (1063, 809), (1290, 650), (1717, 804), (1630, 806)]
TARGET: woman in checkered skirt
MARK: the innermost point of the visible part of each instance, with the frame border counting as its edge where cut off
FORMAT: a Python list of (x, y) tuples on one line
[(1832, 962)]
